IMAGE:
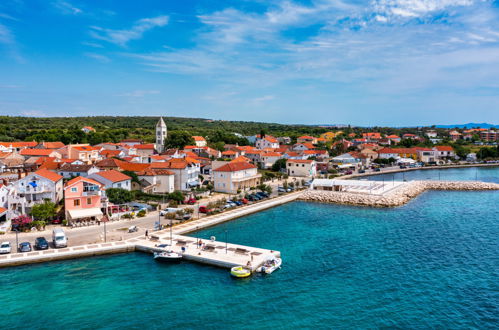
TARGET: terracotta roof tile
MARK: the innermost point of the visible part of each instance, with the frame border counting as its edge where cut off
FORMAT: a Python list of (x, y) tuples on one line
[(113, 175), (235, 166), (49, 175)]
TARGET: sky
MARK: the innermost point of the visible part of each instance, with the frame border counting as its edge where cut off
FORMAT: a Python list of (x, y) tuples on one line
[(377, 62)]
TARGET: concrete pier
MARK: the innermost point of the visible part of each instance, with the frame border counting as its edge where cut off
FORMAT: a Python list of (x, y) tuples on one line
[(214, 253), (401, 195)]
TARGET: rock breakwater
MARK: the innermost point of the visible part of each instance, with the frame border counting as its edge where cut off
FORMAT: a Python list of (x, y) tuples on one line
[(396, 197)]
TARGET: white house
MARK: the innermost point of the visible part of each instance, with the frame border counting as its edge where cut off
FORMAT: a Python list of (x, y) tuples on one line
[(269, 158), (34, 189), (73, 171), (157, 181), (235, 176), (301, 167), (199, 141), (186, 171), (266, 142), (113, 179)]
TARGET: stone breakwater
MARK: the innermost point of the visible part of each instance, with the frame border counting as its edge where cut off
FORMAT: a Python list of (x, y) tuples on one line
[(396, 197)]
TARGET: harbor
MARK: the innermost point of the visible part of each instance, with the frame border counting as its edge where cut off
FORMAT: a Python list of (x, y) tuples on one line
[(215, 253)]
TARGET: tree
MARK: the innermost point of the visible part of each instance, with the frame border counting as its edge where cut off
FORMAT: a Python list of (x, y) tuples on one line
[(279, 165), (176, 196), (132, 174), (119, 195), (45, 211), (179, 139)]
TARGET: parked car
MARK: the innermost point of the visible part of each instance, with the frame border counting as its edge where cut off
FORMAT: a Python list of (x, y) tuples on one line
[(403, 166), (348, 172), (190, 201), (226, 206), (169, 210), (377, 169), (262, 194), (204, 209), (362, 171), (238, 203), (59, 238), (244, 201), (254, 197), (281, 190), (5, 248), (41, 243), (25, 247), (56, 221)]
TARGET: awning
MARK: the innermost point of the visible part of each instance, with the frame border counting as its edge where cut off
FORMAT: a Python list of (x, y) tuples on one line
[(85, 213), (193, 184), (3, 211)]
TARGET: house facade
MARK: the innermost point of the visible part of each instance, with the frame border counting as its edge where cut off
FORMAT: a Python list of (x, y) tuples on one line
[(83, 199), (113, 179), (34, 189), (235, 176), (301, 167)]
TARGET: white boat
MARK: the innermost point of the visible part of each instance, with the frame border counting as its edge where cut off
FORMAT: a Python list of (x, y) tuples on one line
[(270, 265), (167, 256)]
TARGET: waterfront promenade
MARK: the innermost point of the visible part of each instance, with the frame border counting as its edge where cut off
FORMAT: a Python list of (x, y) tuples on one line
[(238, 255)]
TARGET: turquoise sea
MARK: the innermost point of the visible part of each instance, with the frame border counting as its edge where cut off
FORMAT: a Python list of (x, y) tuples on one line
[(432, 263), (487, 174)]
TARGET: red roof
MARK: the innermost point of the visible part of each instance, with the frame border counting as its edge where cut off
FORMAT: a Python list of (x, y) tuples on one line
[(144, 146), (80, 178), (306, 137), (36, 152), (198, 138), (234, 167), (53, 145), (49, 175), (86, 148), (113, 175), (444, 148), (228, 153)]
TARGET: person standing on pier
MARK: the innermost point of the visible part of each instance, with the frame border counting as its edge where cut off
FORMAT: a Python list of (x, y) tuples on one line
[(147, 233)]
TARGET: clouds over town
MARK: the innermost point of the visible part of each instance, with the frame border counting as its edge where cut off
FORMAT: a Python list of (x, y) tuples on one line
[(346, 59)]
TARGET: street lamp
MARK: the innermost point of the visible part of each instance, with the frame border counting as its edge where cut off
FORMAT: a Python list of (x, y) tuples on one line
[(226, 241), (17, 240)]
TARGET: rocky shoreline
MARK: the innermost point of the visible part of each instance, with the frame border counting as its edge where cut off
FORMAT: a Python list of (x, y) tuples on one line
[(397, 197)]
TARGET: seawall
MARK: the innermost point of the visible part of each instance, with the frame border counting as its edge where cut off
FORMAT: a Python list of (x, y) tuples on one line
[(397, 197)]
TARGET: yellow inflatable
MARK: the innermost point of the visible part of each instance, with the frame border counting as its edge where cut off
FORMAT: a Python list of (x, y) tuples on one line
[(240, 271)]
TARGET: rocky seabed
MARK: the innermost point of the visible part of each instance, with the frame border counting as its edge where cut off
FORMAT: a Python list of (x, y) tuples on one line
[(397, 197)]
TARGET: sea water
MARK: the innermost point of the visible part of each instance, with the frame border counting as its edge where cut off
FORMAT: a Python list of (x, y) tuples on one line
[(432, 263)]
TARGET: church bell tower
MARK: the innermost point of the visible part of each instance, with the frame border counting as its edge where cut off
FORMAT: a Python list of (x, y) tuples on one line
[(161, 133)]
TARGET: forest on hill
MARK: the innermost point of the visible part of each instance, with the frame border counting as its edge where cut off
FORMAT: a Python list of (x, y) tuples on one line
[(116, 128)]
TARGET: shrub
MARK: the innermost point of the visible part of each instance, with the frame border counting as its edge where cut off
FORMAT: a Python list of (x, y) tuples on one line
[(142, 213)]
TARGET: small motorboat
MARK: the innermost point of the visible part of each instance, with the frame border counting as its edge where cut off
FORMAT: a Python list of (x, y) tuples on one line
[(240, 271), (270, 266), (167, 256)]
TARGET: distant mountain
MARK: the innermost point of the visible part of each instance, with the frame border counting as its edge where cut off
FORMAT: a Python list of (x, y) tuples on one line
[(468, 125)]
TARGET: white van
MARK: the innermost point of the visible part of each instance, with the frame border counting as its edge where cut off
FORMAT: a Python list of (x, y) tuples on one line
[(59, 238), (169, 210)]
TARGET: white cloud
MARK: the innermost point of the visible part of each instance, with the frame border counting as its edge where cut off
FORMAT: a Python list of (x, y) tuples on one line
[(122, 37), (6, 36), (98, 57), (139, 93), (66, 7), (416, 8)]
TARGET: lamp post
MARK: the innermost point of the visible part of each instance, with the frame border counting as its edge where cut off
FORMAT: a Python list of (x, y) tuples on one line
[(17, 240)]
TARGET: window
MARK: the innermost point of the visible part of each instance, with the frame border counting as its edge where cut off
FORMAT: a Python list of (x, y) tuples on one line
[(119, 185), (89, 201), (74, 189), (76, 202)]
